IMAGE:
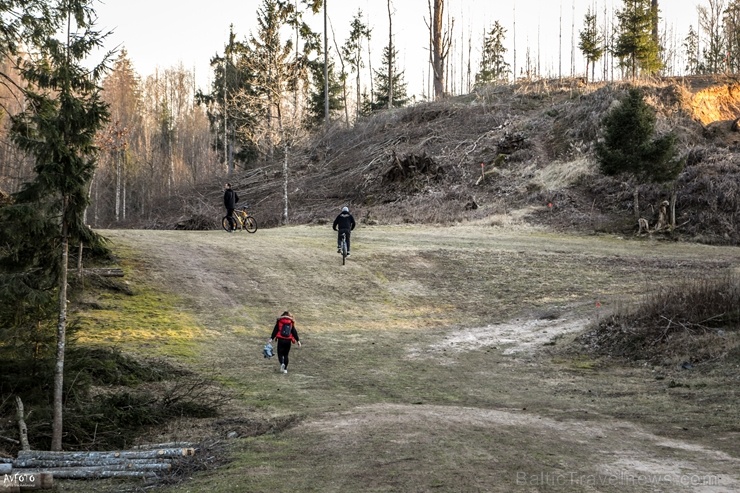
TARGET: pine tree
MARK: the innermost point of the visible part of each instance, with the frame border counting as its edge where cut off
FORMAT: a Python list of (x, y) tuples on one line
[(400, 96), (635, 47), (493, 67), (591, 42), (63, 113), (316, 104), (630, 147)]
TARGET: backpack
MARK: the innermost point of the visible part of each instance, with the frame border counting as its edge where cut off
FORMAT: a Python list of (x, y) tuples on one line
[(285, 328)]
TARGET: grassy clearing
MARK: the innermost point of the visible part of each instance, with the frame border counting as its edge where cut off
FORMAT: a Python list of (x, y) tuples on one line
[(384, 397), (150, 321)]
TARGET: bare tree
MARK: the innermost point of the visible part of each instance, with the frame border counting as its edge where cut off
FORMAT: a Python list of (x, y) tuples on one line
[(390, 51), (710, 21), (439, 42)]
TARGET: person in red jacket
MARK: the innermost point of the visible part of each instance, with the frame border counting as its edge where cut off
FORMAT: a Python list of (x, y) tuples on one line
[(286, 334)]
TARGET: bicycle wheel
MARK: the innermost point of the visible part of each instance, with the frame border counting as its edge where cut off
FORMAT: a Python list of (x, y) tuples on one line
[(250, 224), (225, 223), (344, 250)]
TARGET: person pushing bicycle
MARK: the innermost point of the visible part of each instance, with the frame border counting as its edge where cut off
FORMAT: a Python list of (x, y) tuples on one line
[(230, 200), (343, 224)]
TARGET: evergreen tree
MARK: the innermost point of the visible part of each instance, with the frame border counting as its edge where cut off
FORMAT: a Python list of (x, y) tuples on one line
[(732, 33), (691, 49), (63, 113), (591, 42), (227, 107), (710, 21), (493, 67), (630, 147), (400, 96), (23, 22), (316, 104), (635, 46), (731, 21), (352, 51)]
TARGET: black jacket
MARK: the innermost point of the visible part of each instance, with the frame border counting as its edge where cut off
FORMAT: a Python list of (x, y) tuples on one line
[(344, 221), (230, 198)]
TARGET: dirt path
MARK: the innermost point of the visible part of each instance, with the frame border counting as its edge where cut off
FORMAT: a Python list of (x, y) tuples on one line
[(431, 361)]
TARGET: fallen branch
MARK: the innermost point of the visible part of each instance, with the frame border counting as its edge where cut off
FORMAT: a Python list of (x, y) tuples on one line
[(105, 272)]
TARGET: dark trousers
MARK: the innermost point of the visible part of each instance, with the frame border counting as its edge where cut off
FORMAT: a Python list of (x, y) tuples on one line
[(339, 237), (232, 220), (282, 351)]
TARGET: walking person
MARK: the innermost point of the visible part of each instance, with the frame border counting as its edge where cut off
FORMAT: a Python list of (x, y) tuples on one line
[(344, 223), (285, 333), (230, 200)]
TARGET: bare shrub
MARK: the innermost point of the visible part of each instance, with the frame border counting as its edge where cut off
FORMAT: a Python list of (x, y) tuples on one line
[(695, 320)]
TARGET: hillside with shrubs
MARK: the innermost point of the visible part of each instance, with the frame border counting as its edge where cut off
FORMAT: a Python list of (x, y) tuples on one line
[(521, 152)]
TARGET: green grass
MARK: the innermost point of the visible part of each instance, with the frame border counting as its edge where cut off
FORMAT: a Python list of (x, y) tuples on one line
[(368, 415)]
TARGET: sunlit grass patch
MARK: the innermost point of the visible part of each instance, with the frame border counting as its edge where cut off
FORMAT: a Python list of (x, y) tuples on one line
[(148, 318)]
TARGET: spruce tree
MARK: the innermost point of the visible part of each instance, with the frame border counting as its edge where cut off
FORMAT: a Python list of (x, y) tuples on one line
[(63, 113), (493, 67), (591, 42), (635, 47), (316, 103), (691, 49), (629, 145), (400, 96)]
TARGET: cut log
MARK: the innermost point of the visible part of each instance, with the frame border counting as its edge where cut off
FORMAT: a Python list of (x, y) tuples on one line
[(42, 463), (150, 446), (93, 472), (127, 454), (105, 272)]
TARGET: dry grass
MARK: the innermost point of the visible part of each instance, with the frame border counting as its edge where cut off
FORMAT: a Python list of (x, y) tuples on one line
[(395, 389), (535, 141)]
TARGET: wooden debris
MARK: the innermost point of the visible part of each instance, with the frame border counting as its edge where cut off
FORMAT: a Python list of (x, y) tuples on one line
[(126, 454), (141, 463), (105, 272)]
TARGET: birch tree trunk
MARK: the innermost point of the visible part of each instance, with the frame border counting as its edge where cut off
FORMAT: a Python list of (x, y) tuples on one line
[(22, 428), (56, 433), (118, 187), (636, 201)]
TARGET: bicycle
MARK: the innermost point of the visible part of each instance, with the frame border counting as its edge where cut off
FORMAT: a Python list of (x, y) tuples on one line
[(242, 219), (343, 248)]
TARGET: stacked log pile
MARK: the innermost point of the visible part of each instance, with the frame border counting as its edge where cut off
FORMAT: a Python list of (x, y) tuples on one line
[(143, 463)]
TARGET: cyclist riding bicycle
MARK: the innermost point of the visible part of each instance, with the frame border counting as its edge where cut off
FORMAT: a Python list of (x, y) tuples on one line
[(343, 224)]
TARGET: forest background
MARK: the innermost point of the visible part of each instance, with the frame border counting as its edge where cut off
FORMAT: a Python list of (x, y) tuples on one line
[(167, 133)]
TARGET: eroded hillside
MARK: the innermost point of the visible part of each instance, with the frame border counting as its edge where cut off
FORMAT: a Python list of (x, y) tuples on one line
[(519, 152)]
